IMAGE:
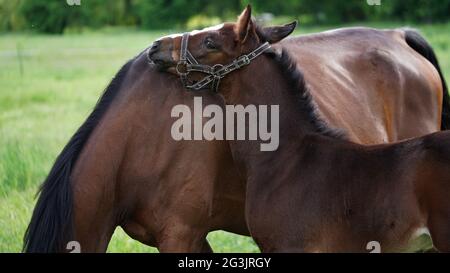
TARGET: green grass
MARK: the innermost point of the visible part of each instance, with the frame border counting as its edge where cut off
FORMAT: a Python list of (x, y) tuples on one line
[(48, 86)]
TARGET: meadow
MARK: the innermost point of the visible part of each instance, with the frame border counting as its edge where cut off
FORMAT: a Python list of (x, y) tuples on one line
[(48, 86)]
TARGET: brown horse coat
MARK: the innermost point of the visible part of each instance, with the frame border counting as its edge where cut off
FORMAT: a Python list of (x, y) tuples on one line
[(370, 83)]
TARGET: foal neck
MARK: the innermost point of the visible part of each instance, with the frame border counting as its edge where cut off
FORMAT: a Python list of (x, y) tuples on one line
[(275, 80), (271, 81)]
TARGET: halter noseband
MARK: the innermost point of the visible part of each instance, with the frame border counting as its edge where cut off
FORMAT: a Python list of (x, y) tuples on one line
[(216, 72)]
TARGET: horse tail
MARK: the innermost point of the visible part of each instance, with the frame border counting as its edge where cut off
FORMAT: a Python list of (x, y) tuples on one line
[(419, 44), (51, 225)]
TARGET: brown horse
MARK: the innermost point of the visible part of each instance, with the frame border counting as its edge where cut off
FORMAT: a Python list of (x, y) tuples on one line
[(318, 191), (122, 167)]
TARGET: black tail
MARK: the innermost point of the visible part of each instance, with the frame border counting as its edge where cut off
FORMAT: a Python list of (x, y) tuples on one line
[(51, 225), (419, 44)]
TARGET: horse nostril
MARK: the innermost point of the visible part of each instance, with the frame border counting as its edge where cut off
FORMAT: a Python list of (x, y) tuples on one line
[(153, 49), (156, 45)]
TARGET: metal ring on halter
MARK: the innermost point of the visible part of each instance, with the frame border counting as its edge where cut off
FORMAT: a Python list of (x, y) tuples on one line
[(216, 68), (177, 68)]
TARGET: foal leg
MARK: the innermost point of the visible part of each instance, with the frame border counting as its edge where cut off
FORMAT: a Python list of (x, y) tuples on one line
[(439, 226), (439, 213)]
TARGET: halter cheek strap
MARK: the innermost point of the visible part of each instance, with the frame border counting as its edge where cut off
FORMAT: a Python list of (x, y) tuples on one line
[(216, 72), (185, 59)]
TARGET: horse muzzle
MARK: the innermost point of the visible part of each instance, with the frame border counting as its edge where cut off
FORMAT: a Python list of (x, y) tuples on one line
[(161, 55)]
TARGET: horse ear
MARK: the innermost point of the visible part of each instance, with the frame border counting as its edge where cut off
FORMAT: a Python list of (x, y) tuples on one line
[(244, 24), (277, 33)]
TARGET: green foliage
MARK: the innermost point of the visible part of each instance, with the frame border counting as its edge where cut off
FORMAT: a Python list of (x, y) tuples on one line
[(160, 14), (50, 16), (163, 13), (98, 13), (202, 21), (53, 16), (332, 11), (420, 10), (10, 17)]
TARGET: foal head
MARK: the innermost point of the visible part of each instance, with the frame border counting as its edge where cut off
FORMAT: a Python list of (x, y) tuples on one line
[(212, 48)]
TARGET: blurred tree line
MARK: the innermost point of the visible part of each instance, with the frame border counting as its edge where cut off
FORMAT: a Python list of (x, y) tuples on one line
[(54, 16)]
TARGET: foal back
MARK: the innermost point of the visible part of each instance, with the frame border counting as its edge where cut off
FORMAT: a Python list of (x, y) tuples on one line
[(343, 196)]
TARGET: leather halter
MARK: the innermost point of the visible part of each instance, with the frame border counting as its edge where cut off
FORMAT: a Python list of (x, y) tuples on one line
[(216, 72)]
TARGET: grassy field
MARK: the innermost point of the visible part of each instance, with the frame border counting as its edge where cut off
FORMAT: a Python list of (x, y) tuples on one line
[(48, 86)]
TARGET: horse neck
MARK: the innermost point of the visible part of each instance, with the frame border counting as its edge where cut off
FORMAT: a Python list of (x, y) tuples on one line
[(262, 83)]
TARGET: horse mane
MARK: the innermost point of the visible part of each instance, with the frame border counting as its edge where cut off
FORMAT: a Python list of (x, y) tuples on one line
[(50, 227), (300, 90), (260, 33)]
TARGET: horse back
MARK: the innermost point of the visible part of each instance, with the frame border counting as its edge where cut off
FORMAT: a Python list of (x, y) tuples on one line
[(370, 83)]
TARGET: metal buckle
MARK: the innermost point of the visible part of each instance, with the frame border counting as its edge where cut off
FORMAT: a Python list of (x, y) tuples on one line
[(243, 60)]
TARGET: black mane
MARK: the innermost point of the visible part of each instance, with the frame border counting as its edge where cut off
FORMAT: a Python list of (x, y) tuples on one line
[(50, 227), (296, 80), (260, 33)]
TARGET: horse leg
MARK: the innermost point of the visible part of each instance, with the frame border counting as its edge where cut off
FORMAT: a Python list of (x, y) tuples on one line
[(93, 232), (180, 238), (439, 209), (94, 241), (439, 225), (94, 218), (139, 233), (206, 247), (439, 218), (184, 244)]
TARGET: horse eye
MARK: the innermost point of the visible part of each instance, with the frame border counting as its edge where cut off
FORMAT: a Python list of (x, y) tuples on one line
[(210, 44)]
